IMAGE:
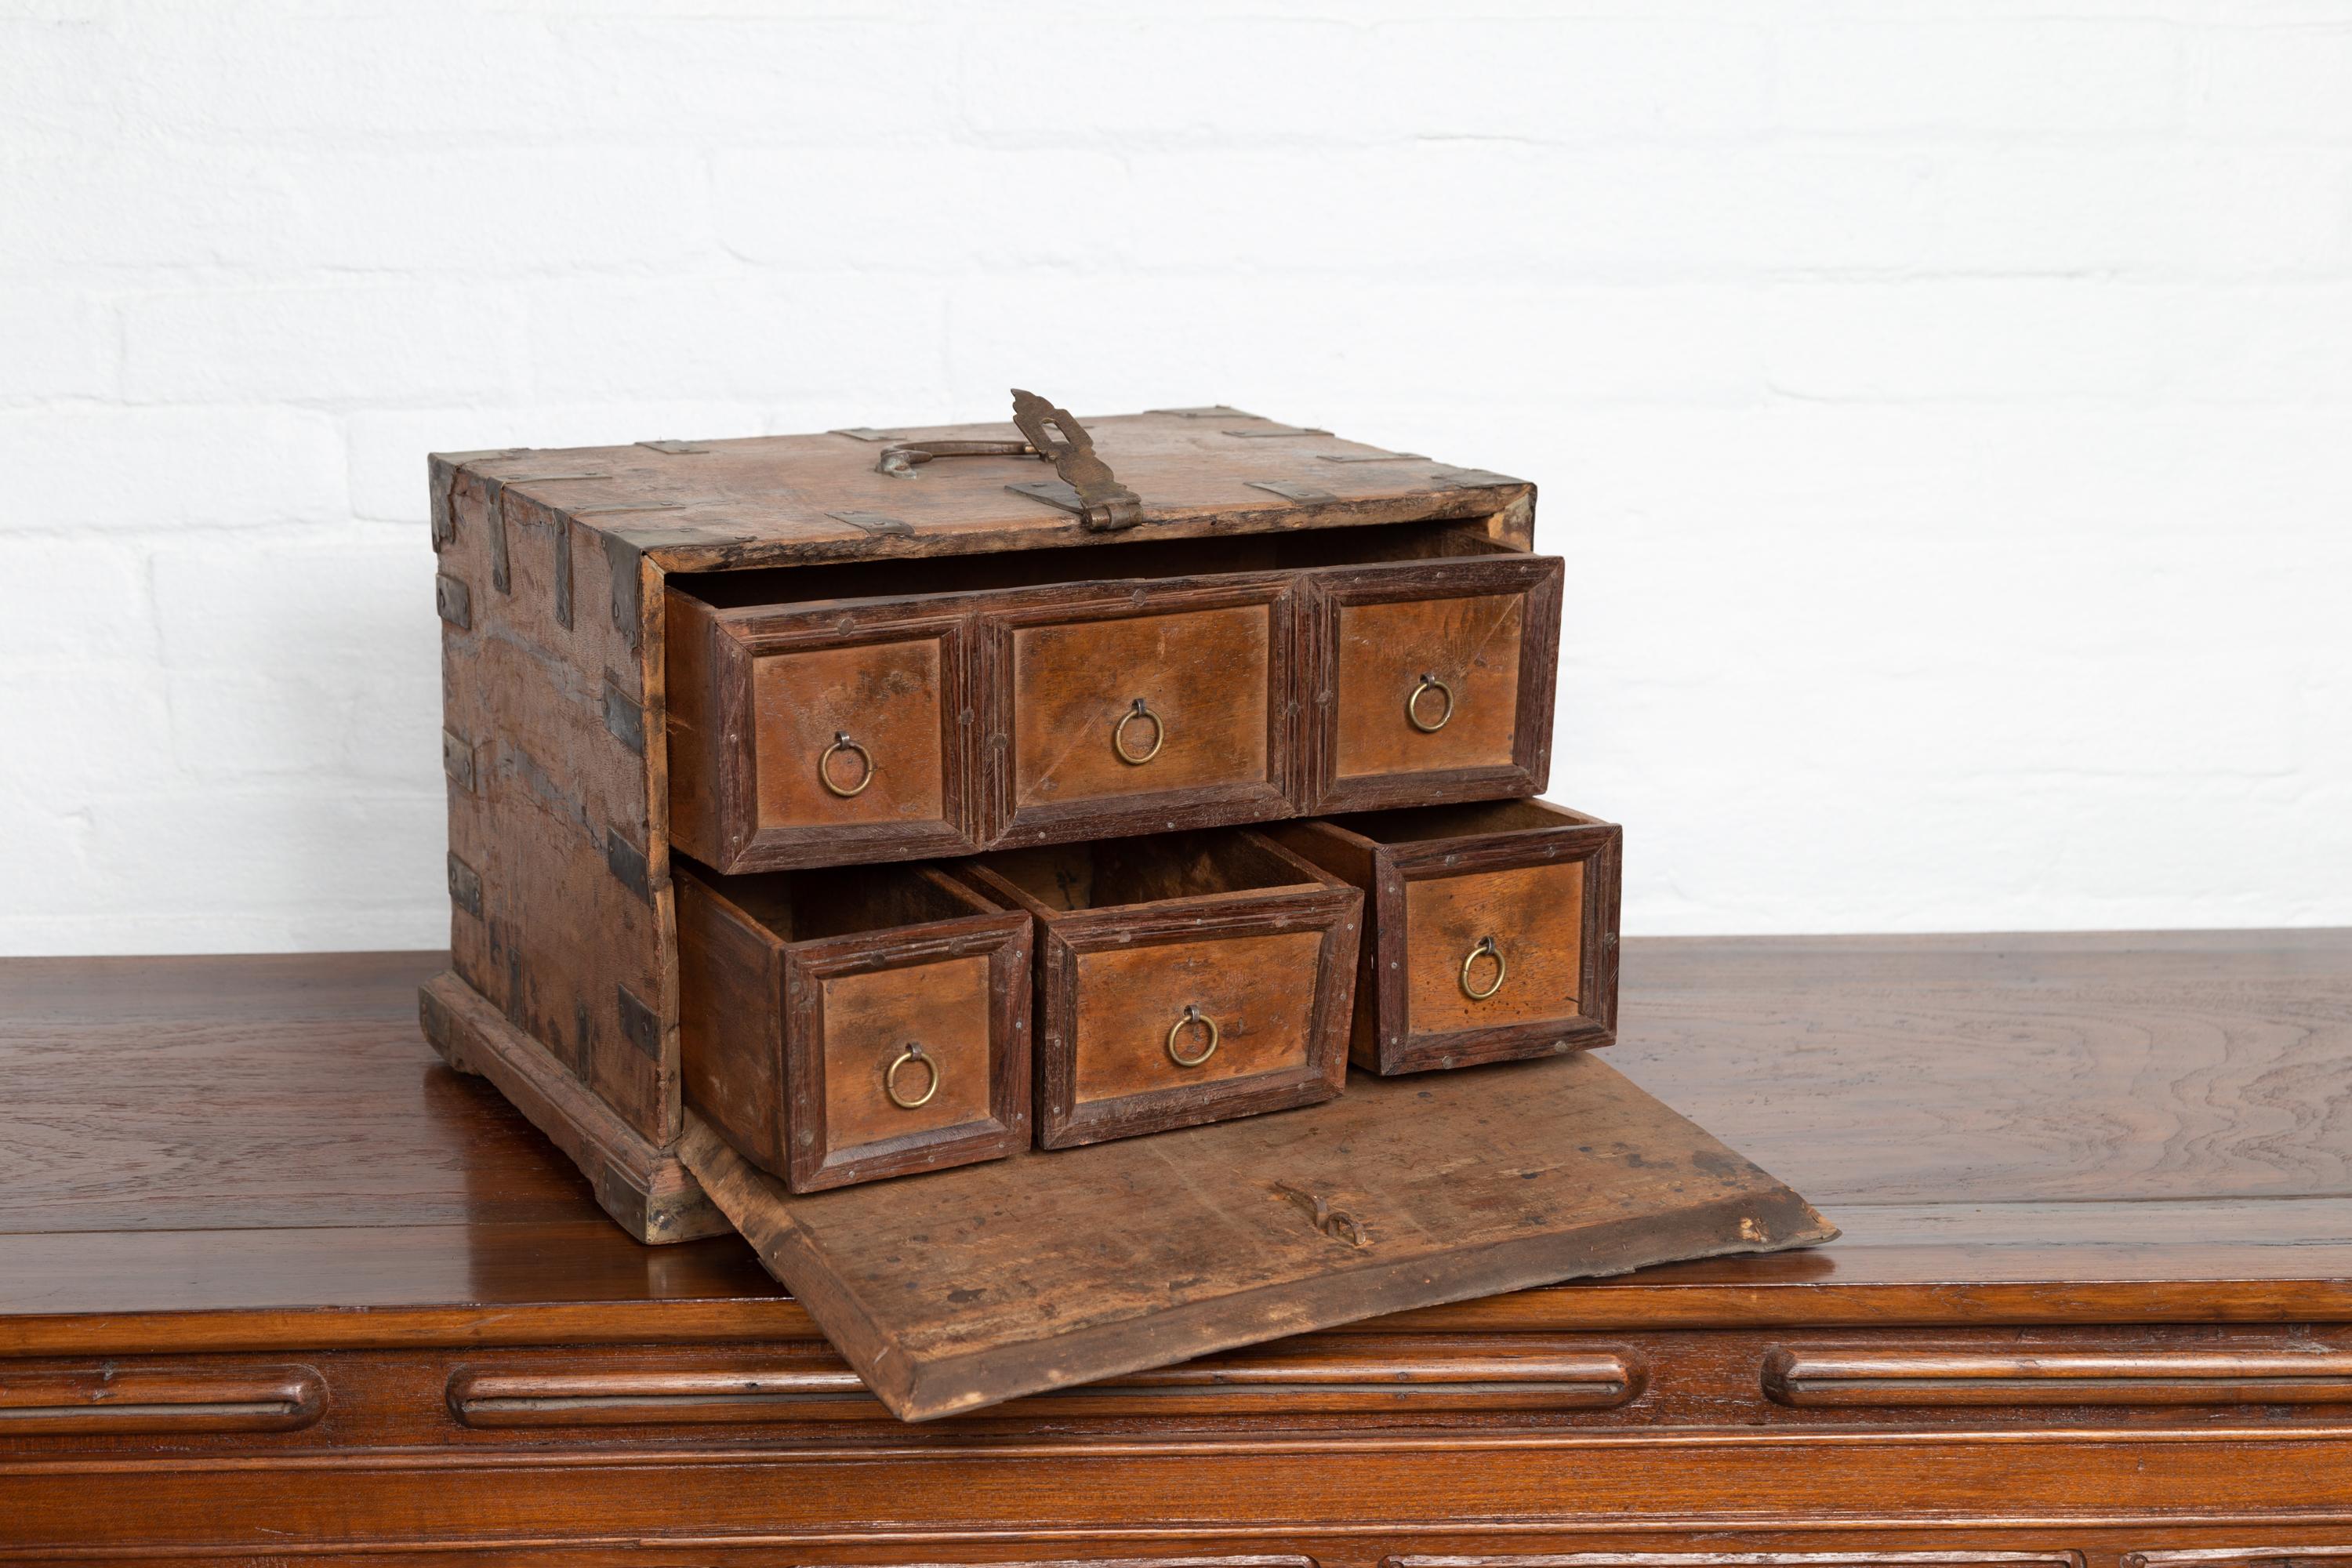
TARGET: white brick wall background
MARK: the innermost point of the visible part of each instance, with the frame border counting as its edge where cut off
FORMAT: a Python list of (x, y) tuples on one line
[(1943, 408)]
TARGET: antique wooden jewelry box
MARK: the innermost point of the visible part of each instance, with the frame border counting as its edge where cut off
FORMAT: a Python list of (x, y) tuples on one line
[(834, 808)]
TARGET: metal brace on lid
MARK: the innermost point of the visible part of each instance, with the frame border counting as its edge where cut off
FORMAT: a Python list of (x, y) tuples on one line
[(873, 521), (1291, 492)]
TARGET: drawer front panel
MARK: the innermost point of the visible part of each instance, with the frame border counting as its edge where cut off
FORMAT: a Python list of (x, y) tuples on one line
[(872, 1020), (1425, 685), (885, 698), (1534, 916), (1427, 682), (801, 737), (1259, 991), (1203, 678)]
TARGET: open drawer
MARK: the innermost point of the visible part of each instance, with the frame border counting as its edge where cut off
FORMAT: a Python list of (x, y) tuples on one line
[(895, 710), (1490, 929), (844, 1025), (1432, 681), (1181, 978)]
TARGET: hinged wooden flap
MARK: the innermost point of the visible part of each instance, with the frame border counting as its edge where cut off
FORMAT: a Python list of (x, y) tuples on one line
[(956, 1290)]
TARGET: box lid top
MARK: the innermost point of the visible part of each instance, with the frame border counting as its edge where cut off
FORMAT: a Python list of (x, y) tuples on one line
[(775, 499)]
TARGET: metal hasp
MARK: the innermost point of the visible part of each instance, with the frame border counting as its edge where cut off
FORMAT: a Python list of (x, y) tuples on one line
[(1093, 492), (1105, 504)]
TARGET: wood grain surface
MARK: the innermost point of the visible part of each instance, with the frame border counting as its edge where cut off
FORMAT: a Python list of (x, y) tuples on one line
[(1470, 644), (1259, 992), (1206, 678), (886, 697), (804, 990), (276, 1285), (1052, 1268), (2054, 1123), (1533, 915), (1487, 626), (1538, 881), (759, 696), (768, 499), (1131, 932)]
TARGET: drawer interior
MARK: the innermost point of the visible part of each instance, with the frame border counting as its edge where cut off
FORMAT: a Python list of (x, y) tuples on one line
[(1102, 873), (810, 906), (1424, 823), (916, 577)]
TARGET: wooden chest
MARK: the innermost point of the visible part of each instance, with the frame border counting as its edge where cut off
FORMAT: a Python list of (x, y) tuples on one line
[(834, 807), (866, 647)]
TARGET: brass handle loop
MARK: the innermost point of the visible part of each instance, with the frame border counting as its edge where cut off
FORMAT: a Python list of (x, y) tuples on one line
[(1118, 734), (1484, 949), (1191, 1015), (1103, 504), (1429, 682), (913, 1053), (842, 743), (901, 462)]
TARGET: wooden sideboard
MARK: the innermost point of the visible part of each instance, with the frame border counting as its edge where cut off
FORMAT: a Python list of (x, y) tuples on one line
[(275, 1283)]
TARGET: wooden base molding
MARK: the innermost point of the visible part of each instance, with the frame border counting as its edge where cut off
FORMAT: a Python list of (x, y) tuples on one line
[(645, 1187)]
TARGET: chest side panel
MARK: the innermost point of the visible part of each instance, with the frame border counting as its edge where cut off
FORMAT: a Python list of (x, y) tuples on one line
[(562, 915)]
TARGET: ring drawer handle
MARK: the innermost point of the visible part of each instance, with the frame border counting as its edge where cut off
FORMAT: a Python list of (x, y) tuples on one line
[(1429, 682), (913, 1053), (842, 743), (1486, 949), (1191, 1015), (1118, 734)]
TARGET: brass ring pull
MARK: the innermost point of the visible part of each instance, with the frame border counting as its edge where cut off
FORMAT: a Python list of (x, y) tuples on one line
[(1191, 1015), (842, 743), (1429, 682), (913, 1053), (1486, 949), (1118, 734)]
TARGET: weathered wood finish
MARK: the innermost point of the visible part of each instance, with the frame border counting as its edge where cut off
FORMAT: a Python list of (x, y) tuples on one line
[(804, 991), (758, 698), (775, 500), (234, 1167), (1402, 1193), (1488, 629), (557, 861), (645, 1187), (762, 690), (1134, 936), (1538, 879), (1210, 662), (557, 671)]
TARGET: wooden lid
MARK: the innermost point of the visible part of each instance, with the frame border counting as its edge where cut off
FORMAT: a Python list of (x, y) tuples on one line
[(777, 500)]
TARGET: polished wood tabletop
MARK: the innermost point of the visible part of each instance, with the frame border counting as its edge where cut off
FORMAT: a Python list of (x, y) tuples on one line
[(253, 1150), (275, 1282)]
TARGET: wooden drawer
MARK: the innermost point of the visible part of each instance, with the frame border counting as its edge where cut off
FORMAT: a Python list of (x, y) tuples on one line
[(839, 1026), (1181, 978), (899, 711), (1138, 707), (1490, 930), (818, 736), (1430, 681)]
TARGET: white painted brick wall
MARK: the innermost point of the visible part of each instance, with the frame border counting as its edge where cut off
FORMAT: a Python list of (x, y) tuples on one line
[(1944, 407)]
